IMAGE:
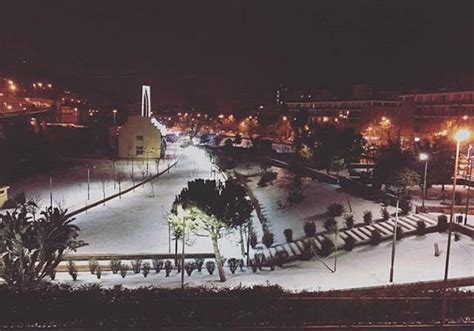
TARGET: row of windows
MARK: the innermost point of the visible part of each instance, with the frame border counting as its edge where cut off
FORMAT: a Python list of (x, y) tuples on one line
[(455, 98), (339, 105)]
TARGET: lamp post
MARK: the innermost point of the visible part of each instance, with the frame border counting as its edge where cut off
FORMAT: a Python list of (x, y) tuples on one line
[(469, 184), (394, 239), (461, 135), (424, 157)]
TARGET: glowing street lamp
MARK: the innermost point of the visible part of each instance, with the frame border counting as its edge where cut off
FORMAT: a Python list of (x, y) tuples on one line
[(114, 112), (424, 157)]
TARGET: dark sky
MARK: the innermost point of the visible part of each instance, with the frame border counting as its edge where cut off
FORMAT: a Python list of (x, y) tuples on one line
[(229, 54)]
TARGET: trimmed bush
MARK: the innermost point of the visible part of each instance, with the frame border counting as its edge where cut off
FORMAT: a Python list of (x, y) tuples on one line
[(349, 221), (136, 266), (233, 265), (327, 247), (115, 265), (442, 223), (123, 270), (210, 267), (189, 267), (98, 272), (420, 228), (375, 237), (253, 238), (330, 224), (93, 264), (349, 243), (405, 205), (72, 270), (267, 239), (288, 235), (146, 269), (280, 258), (253, 265), (335, 209), (157, 265), (199, 263), (307, 252), (168, 268), (309, 229), (399, 232), (267, 177), (367, 217), (52, 275), (385, 214)]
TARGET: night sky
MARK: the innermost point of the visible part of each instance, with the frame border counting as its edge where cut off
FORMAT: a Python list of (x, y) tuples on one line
[(231, 54)]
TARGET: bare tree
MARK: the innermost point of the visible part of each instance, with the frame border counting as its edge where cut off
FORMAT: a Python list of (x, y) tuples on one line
[(103, 181), (119, 178)]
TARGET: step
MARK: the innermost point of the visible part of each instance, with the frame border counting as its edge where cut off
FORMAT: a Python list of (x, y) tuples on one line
[(426, 218), (365, 231), (352, 235), (287, 248), (343, 235), (409, 221), (406, 225), (316, 243), (387, 227), (300, 245), (382, 229), (295, 249), (361, 234), (279, 248)]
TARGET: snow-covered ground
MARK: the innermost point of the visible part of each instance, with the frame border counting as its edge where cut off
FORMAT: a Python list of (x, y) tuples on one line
[(364, 266), (318, 196)]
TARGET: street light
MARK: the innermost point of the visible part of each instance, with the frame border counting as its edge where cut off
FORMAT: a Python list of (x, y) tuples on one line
[(114, 112), (459, 136), (424, 157)]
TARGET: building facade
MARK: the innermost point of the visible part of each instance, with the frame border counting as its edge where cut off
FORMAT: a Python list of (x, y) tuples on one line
[(139, 138)]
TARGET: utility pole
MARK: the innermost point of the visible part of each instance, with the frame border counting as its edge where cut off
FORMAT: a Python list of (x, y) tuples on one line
[(182, 252), (468, 191), (395, 225)]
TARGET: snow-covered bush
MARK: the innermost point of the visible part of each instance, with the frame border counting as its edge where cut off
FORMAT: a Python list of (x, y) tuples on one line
[(307, 251), (72, 270), (253, 265), (177, 264), (349, 221), (309, 229), (349, 243), (210, 267), (93, 264), (327, 247), (199, 263), (367, 217), (420, 228), (280, 257), (442, 223), (233, 265), (123, 270), (189, 267), (405, 204), (267, 238), (157, 265), (168, 267), (136, 265), (375, 237), (146, 269), (266, 178), (98, 272), (330, 224), (288, 235), (115, 265), (253, 238), (335, 209), (52, 274)]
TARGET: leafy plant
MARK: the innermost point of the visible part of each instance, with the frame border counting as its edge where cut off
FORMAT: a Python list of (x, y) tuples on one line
[(375, 237), (267, 177), (189, 267), (288, 235), (123, 270), (136, 265), (210, 267), (335, 209), (405, 204), (72, 269), (146, 269), (442, 223), (420, 228), (93, 264), (157, 265), (349, 220), (349, 243), (267, 238), (309, 229), (168, 267), (385, 214), (327, 247), (199, 263), (115, 265), (367, 217)]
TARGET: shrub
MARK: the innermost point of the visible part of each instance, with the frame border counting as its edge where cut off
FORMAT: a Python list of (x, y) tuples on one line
[(288, 235), (98, 272), (349, 220), (253, 265), (267, 238), (405, 205), (189, 267), (385, 214), (177, 264), (157, 265), (330, 224), (253, 238), (199, 263), (260, 259), (115, 265), (168, 267), (442, 223), (327, 247), (399, 232), (420, 228), (335, 209), (375, 237), (93, 264), (233, 265), (123, 270), (307, 251), (136, 265), (72, 269), (367, 217), (457, 198), (349, 243), (280, 257), (310, 229), (241, 264), (52, 274), (210, 267), (146, 269), (267, 177)]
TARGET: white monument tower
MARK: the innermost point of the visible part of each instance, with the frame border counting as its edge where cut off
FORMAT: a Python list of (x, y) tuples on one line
[(146, 101)]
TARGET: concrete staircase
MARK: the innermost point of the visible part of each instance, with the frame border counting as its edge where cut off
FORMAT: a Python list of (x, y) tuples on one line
[(360, 234)]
